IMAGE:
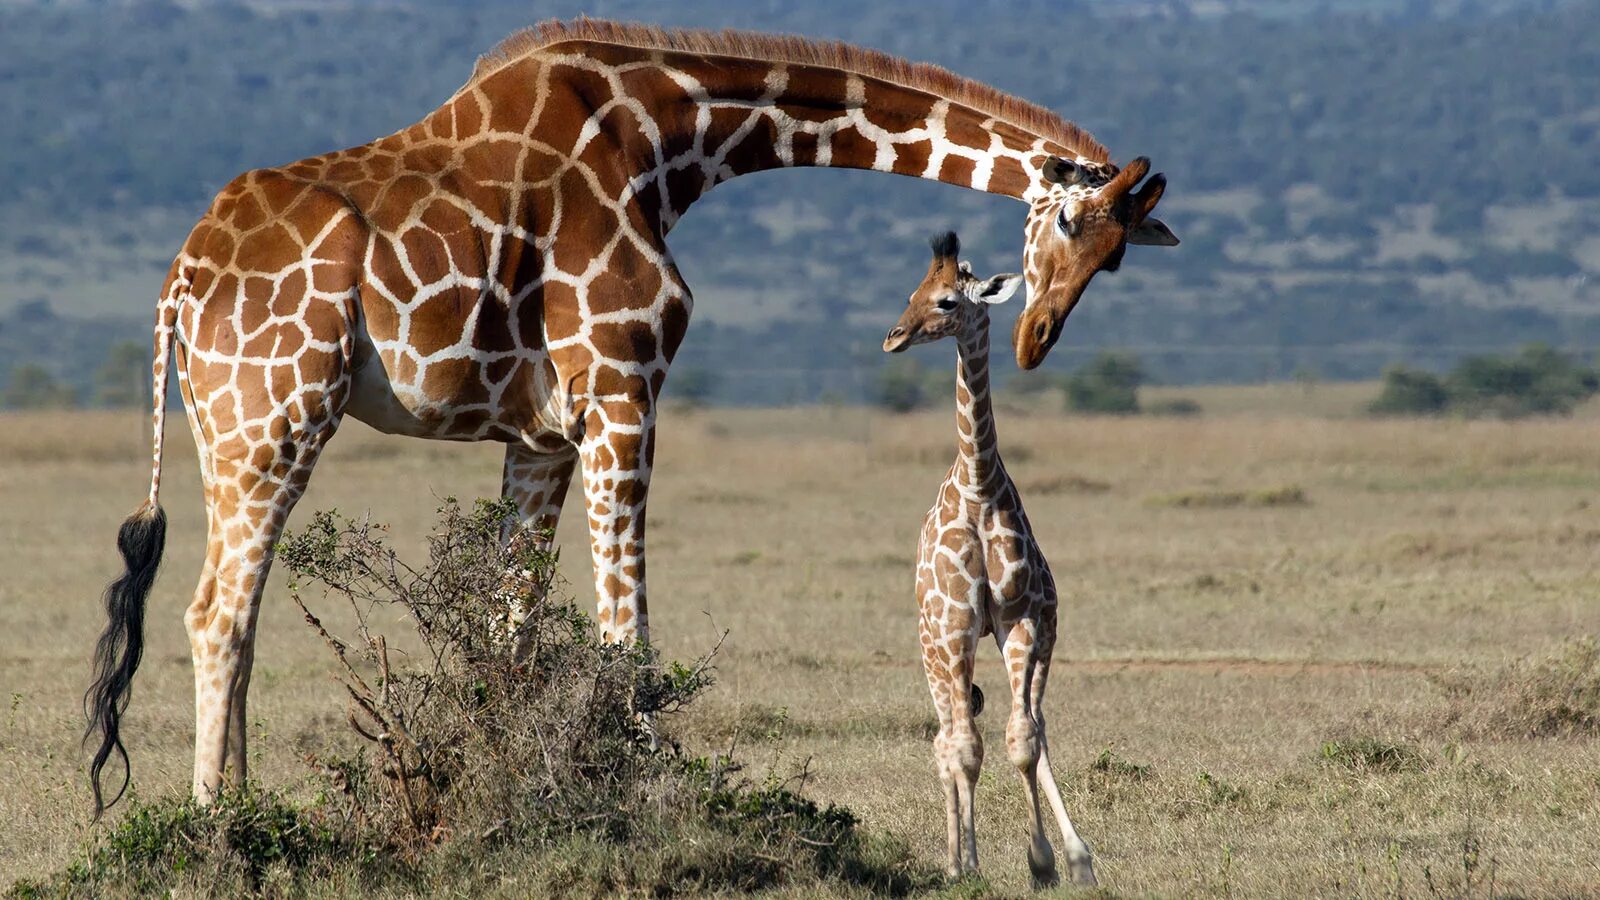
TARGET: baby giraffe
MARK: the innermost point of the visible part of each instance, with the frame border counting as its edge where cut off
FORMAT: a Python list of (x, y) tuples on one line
[(980, 572)]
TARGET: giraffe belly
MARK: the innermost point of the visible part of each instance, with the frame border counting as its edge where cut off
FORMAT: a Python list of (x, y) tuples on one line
[(373, 400), (510, 398)]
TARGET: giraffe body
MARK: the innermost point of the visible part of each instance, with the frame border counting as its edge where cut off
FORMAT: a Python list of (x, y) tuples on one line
[(499, 271), (980, 572)]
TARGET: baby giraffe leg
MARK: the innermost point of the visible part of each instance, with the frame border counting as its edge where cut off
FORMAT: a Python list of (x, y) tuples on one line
[(1080, 862), (1024, 743), (958, 748)]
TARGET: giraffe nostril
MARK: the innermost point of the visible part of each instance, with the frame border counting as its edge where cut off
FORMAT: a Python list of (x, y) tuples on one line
[(1041, 331), (896, 331)]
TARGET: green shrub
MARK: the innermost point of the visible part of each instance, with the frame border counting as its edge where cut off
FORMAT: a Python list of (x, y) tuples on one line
[(1410, 392), (123, 380), (1108, 384), (1537, 380), (243, 840), (902, 386), (33, 387)]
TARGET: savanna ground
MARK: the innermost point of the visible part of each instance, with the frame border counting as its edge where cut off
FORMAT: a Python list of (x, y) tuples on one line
[(1220, 628)]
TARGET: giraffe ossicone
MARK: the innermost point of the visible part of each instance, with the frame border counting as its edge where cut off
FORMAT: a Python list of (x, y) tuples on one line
[(499, 271), (980, 572)]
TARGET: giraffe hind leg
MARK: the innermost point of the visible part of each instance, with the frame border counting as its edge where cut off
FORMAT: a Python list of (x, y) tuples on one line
[(249, 500), (537, 483)]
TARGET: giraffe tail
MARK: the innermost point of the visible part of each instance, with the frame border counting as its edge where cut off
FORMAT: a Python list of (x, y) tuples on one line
[(141, 540)]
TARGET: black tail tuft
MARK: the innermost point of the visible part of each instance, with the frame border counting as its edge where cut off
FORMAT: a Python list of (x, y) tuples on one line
[(976, 700), (116, 657)]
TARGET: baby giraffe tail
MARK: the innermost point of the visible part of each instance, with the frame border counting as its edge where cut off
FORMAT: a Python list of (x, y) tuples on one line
[(141, 540)]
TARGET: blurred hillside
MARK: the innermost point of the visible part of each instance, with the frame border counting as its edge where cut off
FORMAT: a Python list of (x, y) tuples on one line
[(1355, 183)]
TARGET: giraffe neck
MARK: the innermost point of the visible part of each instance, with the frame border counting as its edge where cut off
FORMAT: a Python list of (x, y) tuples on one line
[(977, 447), (678, 124)]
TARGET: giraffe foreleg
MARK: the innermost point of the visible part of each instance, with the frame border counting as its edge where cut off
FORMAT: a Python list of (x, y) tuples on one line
[(1024, 740), (949, 631), (1080, 861), (616, 459)]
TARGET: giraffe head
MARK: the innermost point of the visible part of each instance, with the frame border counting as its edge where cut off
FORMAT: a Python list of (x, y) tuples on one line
[(1082, 217), (950, 301)]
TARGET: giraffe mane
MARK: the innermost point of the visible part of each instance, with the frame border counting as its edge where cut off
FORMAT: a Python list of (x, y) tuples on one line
[(795, 50)]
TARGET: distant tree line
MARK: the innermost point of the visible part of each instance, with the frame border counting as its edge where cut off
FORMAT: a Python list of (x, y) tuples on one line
[(1106, 385), (121, 381), (1536, 380)]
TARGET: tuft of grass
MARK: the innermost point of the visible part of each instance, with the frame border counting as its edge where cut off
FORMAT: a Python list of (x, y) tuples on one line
[(1217, 792), (1173, 406), (1282, 495), (1554, 695), (1064, 484), (1110, 764), (1365, 753)]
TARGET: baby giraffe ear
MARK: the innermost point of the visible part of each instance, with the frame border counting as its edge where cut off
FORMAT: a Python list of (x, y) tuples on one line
[(994, 290)]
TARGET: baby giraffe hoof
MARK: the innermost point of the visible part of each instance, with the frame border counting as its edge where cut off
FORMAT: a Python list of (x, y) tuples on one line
[(1081, 870), (1042, 866)]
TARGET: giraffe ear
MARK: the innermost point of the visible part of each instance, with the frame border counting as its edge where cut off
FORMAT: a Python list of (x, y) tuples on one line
[(1152, 232), (994, 290), (1060, 171)]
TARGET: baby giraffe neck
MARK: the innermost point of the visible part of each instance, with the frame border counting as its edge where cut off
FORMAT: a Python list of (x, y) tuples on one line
[(978, 455)]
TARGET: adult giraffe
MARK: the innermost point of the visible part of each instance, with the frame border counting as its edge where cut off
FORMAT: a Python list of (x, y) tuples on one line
[(498, 271)]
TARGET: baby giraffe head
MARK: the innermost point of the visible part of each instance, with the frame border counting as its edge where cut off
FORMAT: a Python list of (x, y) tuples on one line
[(950, 301)]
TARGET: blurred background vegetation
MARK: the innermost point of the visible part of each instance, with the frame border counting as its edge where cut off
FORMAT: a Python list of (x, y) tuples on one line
[(1358, 185)]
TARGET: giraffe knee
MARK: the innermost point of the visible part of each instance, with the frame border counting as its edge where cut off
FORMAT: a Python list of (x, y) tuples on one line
[(1022, 741)]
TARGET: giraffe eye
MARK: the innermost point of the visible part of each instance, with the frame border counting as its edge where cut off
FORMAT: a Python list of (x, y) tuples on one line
[(946, 304), (1070, 226)]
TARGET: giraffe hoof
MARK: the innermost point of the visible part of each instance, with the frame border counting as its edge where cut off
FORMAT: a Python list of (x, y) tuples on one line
[(1081, 870), (1042, 867)]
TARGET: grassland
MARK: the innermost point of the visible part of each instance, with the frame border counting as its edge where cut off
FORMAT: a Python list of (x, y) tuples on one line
[(1251, 699)]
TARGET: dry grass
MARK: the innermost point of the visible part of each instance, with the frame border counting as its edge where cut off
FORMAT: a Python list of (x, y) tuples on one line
[(1215, 652)]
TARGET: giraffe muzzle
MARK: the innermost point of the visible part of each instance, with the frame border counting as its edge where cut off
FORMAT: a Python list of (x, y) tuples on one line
[(899, 338)]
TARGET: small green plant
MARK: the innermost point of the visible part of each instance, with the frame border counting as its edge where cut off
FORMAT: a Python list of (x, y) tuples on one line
[(1218, 792), (1109, 763), (1370, 754)]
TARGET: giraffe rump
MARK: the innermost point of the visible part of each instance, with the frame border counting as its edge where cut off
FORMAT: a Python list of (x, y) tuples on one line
[(116, 657), (796, 50)]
